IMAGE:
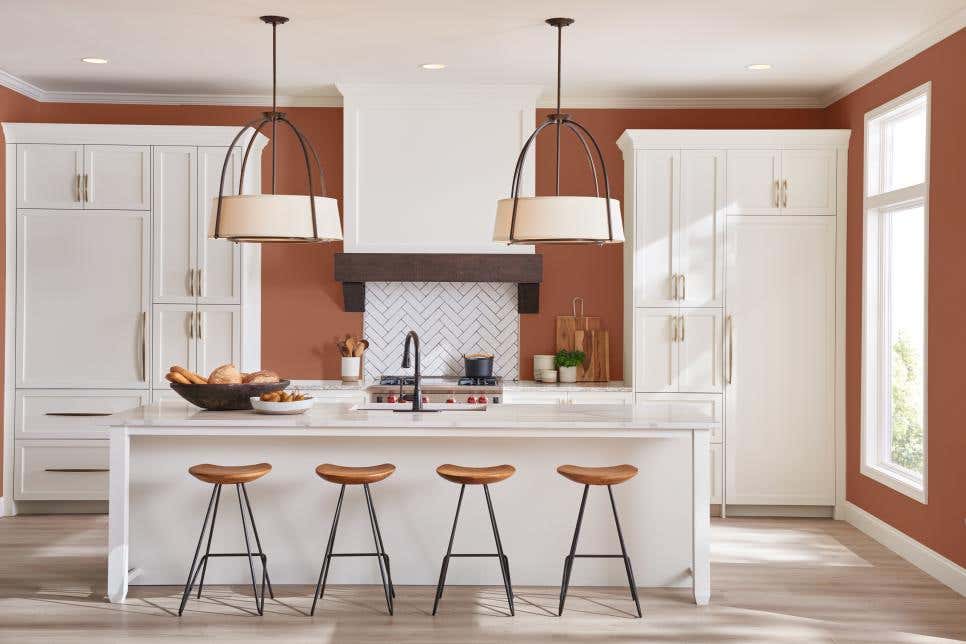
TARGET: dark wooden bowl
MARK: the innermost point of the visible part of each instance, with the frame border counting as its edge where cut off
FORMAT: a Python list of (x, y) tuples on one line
[(225, 397)]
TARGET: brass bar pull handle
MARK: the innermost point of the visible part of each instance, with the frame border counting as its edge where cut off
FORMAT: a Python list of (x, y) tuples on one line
[(77, 413), (674, 328), (144, 345), (87, 188), (681, 318), (199, 282), (785, 193), (778, 192), (674, 286), (684, 287), (730, 323), (77, 188), (191, 325), (77, 469), (200, 333)]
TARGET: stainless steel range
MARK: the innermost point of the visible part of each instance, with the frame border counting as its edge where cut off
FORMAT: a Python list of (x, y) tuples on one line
[(438, 389)]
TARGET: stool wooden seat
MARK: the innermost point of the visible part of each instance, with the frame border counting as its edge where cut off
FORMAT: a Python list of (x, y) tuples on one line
[(344, 475), (229, 474), (475, 475), (611, 475)]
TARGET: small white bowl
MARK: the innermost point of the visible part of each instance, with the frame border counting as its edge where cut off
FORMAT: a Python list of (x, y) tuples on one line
[(295, 407)]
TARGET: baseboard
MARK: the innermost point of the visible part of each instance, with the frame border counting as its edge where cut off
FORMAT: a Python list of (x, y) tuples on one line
[(925, 559), (802, 511), (62, 507), (3, 506)]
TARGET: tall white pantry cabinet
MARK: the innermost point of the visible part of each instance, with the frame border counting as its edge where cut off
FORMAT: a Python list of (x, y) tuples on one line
[(110, 279), (734, 303)]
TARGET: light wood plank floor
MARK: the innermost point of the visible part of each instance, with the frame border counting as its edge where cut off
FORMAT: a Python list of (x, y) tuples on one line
[(773, 580)]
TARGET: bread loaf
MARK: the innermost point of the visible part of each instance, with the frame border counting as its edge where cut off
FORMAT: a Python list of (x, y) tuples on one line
[(178, 378), (226, 374), (192, 377), (260, 377)]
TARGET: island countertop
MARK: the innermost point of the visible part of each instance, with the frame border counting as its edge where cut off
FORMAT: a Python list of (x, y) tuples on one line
[(173, 418)]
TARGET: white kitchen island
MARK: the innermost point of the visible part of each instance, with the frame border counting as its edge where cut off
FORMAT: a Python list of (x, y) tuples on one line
[(157, 508)]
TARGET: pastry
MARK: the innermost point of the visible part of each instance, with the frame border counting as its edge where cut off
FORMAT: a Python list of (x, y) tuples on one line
[(192, 377), (178, 378), (257, 377), (226, 374)]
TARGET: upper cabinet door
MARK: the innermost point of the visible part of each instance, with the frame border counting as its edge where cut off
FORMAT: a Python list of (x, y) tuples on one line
[(701, 228), (175, 327), (656, 247), (50, 176), (83, 292), (699, 351), (754, 182), (655, 350), (219, 260), (808, 182), (175, 224), (117, 177), (218, 337)]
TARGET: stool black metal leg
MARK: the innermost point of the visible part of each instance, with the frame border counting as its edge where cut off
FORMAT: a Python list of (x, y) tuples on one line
[(258, 542), (211, 532), (504, 561), (192, 571), (259, 605), (627, 560), (569, 559), (382, 547), (449, 551), (327, 557), (377, 541)]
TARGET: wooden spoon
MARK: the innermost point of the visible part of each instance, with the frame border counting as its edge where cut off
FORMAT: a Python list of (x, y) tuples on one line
[(350, 345), (360, 348)]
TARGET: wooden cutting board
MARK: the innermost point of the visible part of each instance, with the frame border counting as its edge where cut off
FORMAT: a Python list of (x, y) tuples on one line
[(595, 343), (579, 332)]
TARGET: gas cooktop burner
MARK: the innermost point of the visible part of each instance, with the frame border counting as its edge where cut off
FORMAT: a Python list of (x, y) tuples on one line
[(409, 381), (393, 381)]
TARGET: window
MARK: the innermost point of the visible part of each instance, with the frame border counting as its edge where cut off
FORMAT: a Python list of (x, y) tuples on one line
[(896, 216)]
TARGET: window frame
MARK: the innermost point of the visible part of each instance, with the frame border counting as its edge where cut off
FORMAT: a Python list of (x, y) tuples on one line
[(877, 356)]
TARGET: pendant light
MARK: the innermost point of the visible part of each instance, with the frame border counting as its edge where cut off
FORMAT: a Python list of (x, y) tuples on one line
[(274, 217), (560, 219)]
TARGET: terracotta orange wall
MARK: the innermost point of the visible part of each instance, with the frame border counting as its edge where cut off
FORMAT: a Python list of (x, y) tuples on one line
[(939, 524), (596, 273)]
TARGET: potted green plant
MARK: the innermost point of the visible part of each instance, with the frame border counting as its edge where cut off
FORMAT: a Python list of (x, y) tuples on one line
[(566, 363)]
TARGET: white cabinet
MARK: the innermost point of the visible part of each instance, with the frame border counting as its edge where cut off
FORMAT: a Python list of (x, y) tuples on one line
[(677, 350), (219, 260), (558, 395), (796, 181), (716, 475), (82, 298), (49, 176), (114, 281), (679, 238), (781, 339), (677, 406), (117, 177), (96, 177), (601, 398), (175, 224), (196, 337)]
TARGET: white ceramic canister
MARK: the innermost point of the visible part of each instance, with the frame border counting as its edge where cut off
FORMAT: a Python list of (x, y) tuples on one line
[(351, 369), (542, 363)]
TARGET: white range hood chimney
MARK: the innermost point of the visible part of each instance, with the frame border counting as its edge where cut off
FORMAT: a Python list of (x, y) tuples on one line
[(425, 164)]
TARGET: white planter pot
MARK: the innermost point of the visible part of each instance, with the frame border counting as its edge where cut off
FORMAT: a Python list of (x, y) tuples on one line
[(568, 374)]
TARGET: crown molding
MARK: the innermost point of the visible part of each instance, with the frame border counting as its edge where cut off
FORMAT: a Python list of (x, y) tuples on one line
[(21, 86), (899, 55), (654, 103)]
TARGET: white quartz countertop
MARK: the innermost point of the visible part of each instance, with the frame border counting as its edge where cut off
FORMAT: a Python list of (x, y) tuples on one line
[(613, 385), (175, 417)]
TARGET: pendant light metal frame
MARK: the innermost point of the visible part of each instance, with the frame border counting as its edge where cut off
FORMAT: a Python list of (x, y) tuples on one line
[(561, 121), (274, 118)]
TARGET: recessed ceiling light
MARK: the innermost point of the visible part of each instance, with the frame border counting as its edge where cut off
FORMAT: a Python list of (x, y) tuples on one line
[(758, 67), (95, 61), (433, 66)]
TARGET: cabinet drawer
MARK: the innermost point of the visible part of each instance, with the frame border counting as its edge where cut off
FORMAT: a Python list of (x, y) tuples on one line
[(601, 398), (677, 406), (61, 470), (59, 413)]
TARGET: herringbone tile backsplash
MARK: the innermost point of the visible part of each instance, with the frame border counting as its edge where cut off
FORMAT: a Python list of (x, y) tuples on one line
[(451, 318)]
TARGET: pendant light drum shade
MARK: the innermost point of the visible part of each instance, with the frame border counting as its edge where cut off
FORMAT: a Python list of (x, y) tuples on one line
[(259, 218), (562, 220), (273, 217)]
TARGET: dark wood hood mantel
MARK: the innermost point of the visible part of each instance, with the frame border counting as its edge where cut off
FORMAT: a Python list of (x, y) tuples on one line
[(355, 269)]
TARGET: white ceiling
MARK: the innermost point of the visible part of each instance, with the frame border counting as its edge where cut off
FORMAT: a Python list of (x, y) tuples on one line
[(618, 49)]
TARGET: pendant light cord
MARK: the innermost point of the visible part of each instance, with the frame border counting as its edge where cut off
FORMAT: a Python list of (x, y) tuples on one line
[(274, 105), (559, 47)]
